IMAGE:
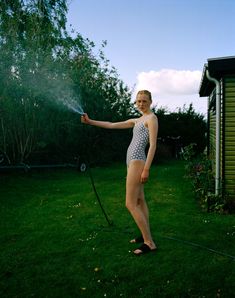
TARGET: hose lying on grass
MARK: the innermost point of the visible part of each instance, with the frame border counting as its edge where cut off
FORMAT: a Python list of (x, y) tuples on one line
[(174, 239)]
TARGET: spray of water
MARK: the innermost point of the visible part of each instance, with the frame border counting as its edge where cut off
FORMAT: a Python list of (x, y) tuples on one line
[(57, 91), (78, 110), (64, 96), (71, 104)]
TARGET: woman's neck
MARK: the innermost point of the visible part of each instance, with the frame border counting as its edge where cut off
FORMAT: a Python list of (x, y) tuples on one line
[(147, 113)]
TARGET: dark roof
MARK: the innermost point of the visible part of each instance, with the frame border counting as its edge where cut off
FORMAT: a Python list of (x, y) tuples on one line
[(218, 68)]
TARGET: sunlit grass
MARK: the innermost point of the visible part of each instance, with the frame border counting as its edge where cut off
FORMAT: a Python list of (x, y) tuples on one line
[(55, 241)]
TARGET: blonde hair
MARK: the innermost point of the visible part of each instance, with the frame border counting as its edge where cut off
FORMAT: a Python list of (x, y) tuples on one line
[(146, 92)]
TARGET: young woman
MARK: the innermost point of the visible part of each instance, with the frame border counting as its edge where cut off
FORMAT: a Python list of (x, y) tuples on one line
[(145, 130)]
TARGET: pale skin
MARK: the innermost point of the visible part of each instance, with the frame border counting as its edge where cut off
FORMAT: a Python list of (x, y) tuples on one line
[(138, 170)]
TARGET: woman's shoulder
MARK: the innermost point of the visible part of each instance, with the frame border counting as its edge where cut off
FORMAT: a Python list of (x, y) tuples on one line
[(152, 117), (132, 121), (152, 121)]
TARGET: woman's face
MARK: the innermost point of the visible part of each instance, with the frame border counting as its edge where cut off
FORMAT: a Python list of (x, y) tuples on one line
[(143, 102)]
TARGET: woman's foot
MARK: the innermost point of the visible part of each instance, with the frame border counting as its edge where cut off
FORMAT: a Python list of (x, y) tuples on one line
[(139, 239), (145, 248)]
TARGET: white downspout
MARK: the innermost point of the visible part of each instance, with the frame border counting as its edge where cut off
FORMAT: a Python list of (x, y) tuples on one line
[(217, 146)]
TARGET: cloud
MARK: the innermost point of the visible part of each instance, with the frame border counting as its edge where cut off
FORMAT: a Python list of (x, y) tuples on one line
[(173, 88)]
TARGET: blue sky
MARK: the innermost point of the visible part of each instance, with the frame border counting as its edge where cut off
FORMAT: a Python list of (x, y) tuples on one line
[(160, 45)]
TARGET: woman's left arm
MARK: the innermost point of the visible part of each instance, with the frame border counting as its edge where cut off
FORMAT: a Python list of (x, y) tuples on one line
[(153, 132)]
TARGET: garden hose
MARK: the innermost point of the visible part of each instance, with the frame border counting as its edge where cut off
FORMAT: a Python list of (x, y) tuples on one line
[(200, 246), (120, 230), (110, 223)]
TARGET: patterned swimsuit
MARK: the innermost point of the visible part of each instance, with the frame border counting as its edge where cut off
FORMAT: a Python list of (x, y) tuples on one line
[(140, 139)]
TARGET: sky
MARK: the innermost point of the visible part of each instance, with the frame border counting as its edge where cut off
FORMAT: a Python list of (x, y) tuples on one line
[(159, 45)]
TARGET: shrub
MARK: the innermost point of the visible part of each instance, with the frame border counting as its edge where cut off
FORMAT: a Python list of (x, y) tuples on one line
[(199, 171)]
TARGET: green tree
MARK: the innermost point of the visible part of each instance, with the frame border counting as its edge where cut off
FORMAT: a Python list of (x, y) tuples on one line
[(42, 69), (29, 31), (181, 128)]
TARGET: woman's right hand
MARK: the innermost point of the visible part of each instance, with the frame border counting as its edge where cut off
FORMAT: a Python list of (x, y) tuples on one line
[(85, 119)]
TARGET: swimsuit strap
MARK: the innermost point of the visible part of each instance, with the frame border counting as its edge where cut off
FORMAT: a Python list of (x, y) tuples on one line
[(143, 120)]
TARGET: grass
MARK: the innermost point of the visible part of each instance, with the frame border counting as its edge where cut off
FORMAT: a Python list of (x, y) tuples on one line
[(55, 241)]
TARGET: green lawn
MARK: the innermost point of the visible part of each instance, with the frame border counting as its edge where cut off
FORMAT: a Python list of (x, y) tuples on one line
[(55, 241)]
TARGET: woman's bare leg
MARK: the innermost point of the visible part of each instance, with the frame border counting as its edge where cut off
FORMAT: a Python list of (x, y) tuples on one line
[(135, 201), (142, 203)]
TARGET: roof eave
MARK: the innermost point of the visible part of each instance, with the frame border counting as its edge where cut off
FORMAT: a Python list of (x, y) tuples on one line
[(218, 67)]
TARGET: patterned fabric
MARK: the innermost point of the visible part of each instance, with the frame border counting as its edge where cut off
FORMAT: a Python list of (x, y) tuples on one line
[(140, 139)]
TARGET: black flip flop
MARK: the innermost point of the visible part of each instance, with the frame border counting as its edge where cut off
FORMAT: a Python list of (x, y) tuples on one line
[(144, 248), (139, 239)]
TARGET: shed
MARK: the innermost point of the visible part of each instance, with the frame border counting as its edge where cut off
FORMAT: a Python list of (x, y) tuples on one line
[(218, 84)]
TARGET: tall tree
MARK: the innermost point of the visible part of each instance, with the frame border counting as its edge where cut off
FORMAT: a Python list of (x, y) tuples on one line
[(42, 66), (29, 32)]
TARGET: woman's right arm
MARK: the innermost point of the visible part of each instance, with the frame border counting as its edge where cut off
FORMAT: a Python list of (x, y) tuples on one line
[(105, 124)]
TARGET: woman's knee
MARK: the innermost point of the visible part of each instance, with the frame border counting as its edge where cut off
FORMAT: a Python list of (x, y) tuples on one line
[(140, 201), (131, 205)]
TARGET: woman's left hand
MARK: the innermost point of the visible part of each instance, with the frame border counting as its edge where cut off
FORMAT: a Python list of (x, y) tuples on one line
[(144, 176)]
